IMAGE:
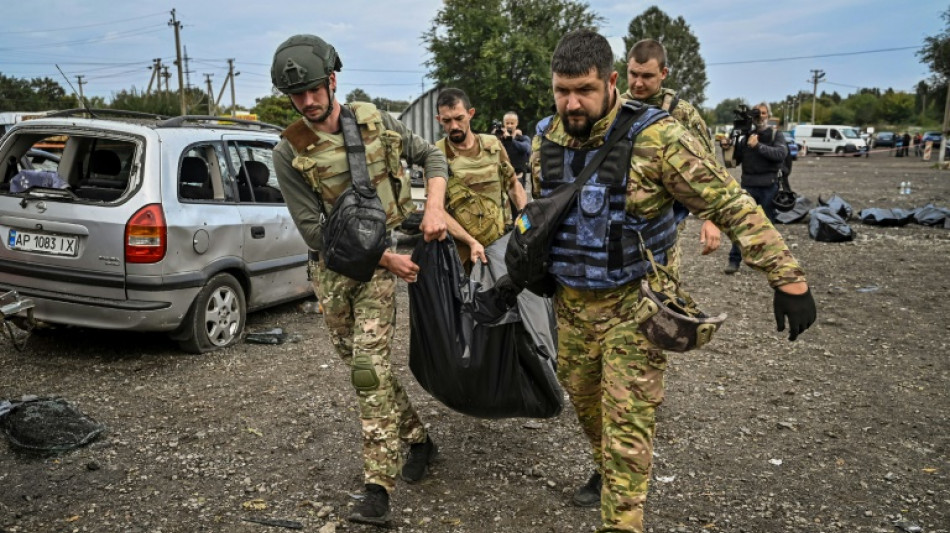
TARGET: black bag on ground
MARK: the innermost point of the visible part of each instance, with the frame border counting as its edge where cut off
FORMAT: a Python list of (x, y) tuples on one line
[(879, 216), (838, 205), (826, 226), (501, 369), (797, 213), (931, 215), (355, 235)]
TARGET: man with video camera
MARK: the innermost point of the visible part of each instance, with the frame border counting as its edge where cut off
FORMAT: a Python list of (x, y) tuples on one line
[(760, 150), (517, 145)]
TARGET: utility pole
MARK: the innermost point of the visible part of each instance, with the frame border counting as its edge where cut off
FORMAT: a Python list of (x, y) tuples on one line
[(167, 76), (232, 74), (156, 69), (211, 102), (81, 97), (817, 75), (946, 126), (188, 70), (799, 97), (181, 78)]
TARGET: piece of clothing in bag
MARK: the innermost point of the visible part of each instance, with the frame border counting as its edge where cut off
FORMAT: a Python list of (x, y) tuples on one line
[(472, 352)]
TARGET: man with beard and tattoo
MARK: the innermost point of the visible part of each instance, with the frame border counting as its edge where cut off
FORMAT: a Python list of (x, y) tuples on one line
[(611, 370), (481, 179), (313, 170)]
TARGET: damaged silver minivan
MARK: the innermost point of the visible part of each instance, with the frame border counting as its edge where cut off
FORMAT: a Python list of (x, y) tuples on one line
[(148, 224)]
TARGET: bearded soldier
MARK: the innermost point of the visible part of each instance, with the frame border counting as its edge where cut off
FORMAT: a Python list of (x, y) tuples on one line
[(481, 179)]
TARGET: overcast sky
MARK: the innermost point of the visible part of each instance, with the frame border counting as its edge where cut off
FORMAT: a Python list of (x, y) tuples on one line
[(112, 44)]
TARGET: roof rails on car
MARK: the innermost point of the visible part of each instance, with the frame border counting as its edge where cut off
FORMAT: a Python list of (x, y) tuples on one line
[(176, 122), (95, 113)]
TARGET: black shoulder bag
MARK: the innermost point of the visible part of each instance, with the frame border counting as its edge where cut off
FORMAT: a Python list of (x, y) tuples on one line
[(529, 248), (355, 235)]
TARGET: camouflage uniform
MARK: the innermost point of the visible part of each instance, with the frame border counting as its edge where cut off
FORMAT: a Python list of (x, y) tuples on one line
[(613, 374), (477, 190), (313, 171), (689, 118)]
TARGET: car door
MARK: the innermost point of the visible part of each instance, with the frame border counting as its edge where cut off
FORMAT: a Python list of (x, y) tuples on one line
[(274, 252), (818, 140)]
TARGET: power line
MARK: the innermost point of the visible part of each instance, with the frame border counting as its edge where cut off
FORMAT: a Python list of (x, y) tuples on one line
[(105, 38), (111, 22), (777, 59)]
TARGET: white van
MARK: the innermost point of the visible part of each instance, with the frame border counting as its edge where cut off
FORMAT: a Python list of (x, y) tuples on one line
[(827, 139)]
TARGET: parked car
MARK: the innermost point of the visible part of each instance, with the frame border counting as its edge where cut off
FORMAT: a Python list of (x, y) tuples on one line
[(825, 139), (171, 225), (417, 181), (932, 136), (884, 139)]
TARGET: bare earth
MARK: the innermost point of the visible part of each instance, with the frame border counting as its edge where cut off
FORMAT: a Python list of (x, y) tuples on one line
[(845, 430)]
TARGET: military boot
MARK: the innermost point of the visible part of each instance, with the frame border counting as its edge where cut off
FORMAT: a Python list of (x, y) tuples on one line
[(588, 495), (417, 463), (731, 268), (374, 508)]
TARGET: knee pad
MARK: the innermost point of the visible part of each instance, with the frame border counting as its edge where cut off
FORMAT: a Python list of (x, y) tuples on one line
[(363, 374)]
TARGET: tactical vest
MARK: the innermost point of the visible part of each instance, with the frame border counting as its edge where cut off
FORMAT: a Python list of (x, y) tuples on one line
[(321, 158), (477, 197), (598, 246)]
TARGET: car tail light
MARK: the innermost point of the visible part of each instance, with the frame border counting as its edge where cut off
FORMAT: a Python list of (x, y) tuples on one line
[(146, 235)]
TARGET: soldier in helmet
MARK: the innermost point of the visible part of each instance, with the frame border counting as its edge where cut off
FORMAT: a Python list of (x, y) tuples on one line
[(646, 70), (313, 170), (611, 368), (481, 180)]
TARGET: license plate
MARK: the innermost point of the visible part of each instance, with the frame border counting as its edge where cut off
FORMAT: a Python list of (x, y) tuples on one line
[(42, 243)]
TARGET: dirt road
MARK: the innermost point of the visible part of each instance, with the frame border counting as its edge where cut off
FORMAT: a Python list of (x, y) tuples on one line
[(844, 430)]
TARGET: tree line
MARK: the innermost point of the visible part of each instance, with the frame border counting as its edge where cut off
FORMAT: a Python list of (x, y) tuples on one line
[(499, 52)]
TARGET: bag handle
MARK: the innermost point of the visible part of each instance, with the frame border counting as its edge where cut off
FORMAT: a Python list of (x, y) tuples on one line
[(356, 154)]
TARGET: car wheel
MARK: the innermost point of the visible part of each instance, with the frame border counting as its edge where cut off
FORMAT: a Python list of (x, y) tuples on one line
[(217, 316), (839, 150)]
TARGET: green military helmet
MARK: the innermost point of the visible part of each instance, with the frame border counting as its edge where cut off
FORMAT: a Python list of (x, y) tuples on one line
[(303, 62)]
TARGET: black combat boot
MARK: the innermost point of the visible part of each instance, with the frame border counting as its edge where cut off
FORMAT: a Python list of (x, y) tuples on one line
[(588, 495), (374, 509), (731, 268), (420, 457)]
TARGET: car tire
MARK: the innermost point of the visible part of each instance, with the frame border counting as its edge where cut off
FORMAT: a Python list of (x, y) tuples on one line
[(217, 316), (839, 150)]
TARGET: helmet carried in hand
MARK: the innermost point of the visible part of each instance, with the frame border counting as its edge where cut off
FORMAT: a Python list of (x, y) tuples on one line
[(784, 200)]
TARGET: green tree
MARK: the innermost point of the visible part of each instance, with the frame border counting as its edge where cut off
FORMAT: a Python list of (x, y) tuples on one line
[(499, 52), (393, 106), (687, 68), (895, 107), (936, 50), (37, 94), (357, 95), (275, 109), (723, 112), (167, 103)]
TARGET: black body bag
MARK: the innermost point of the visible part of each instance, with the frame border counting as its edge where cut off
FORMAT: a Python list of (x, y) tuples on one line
[(826, 225), (355, 235), (529, 249), (480, 357)]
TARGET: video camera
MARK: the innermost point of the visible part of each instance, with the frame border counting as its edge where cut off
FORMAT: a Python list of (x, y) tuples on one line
[(743, 125), (498, 129)]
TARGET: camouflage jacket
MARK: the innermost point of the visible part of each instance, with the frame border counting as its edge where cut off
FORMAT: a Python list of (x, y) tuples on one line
[(670, 164), (684, 112), (312, 167), (477, 189)]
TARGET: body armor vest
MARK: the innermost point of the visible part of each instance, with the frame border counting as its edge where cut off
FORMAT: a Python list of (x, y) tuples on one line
[(598, 245), (322, 161), (477, 196)]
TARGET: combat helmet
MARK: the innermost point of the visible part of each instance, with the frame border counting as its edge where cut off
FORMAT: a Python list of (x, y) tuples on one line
[(784, 200), (303, 62), (668, 316)]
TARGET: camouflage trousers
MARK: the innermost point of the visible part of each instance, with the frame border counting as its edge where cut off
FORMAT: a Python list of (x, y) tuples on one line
[(614, 377), (361, 320)]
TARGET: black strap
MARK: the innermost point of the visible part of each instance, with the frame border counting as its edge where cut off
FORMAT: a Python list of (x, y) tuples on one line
[(356, 154), (621, 127)]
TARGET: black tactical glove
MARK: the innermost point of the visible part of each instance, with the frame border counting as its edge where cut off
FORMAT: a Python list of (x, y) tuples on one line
[(800, 310), (507, 290)]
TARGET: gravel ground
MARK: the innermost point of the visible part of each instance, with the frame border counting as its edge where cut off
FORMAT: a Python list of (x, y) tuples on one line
[(844, 430)]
